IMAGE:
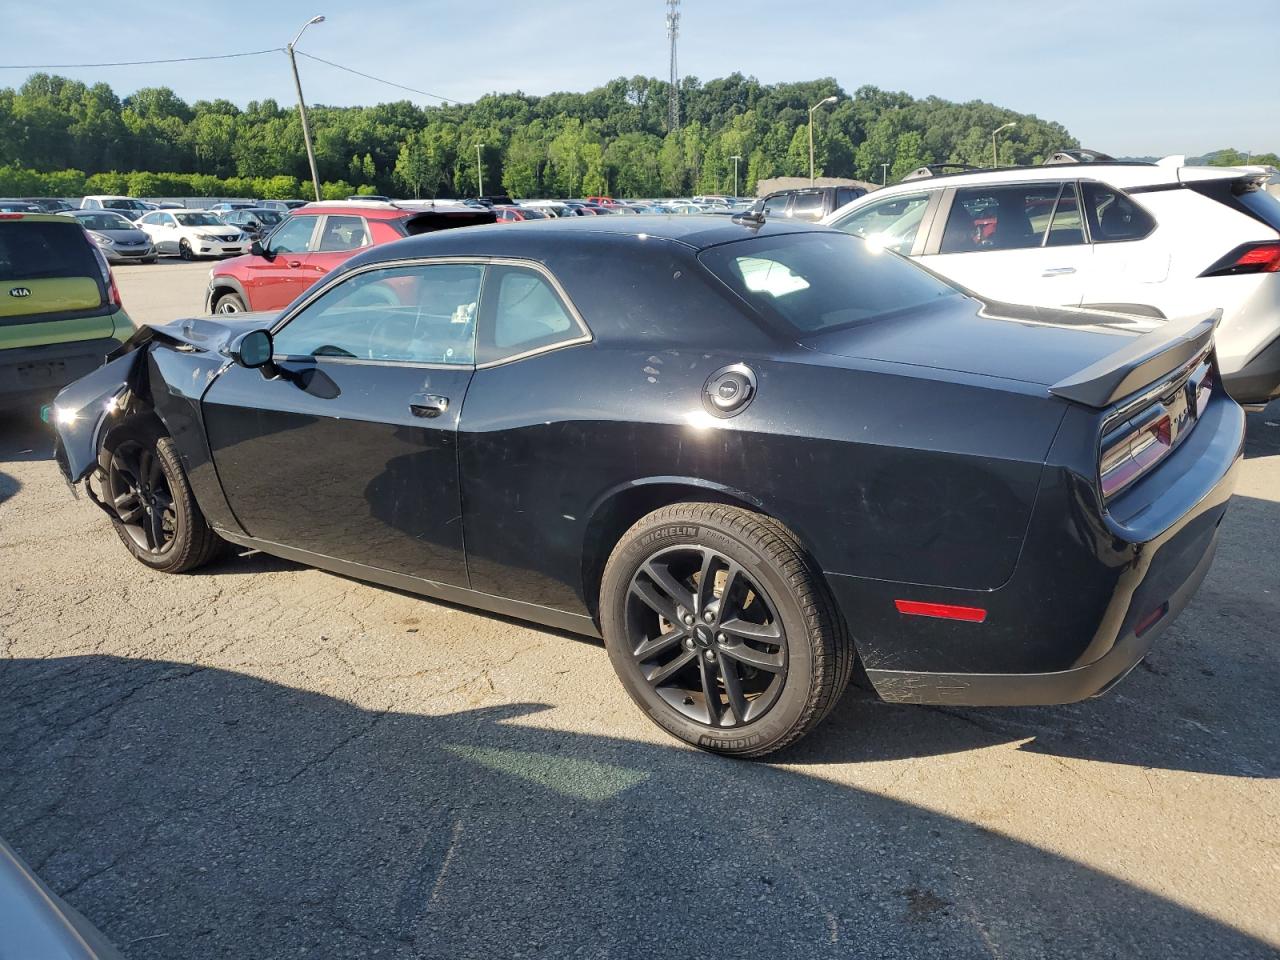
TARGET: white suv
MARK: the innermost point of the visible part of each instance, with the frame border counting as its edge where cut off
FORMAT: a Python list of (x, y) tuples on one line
[(1157, 240)]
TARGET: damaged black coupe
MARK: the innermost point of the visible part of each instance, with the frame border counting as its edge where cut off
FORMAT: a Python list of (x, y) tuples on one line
[(749, 456)]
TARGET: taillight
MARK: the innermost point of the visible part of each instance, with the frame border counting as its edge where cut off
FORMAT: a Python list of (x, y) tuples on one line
[(108, 278), (1248, 258), (1135, 446)]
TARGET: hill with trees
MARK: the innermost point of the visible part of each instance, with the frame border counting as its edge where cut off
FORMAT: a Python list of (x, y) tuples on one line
[(64, 138)]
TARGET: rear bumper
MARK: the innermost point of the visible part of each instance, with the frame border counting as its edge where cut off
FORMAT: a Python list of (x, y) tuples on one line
[(1041, 689), (31, 373), (1090, 594)]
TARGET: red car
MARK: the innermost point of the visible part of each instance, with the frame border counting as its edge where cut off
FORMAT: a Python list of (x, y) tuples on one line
[(511, 214), (602, 201), (312, 241)]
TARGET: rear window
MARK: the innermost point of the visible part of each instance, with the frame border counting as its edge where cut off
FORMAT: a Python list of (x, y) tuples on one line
[(821, 281), (32, 250), (1260, 204)]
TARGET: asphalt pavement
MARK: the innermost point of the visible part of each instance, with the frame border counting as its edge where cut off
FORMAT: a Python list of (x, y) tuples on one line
[(259, 760)]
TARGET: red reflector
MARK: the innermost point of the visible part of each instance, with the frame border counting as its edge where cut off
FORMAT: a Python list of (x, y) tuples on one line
[(943, 611), (1151, 619)]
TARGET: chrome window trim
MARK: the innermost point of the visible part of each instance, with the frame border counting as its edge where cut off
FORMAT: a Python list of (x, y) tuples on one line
[(585, 335)]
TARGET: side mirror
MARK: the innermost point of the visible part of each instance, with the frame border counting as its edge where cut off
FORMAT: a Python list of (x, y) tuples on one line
[(254, 350), (257, 249)]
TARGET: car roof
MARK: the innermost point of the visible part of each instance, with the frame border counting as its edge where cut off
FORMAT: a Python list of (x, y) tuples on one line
[(375, 209), (38, 218), (696, 233), (1118, 174)]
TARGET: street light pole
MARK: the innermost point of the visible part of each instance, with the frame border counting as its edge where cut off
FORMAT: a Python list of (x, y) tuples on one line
[(735, 158), (302, 106), (884, 174), (820, 103), (995, 159), (479, 172)]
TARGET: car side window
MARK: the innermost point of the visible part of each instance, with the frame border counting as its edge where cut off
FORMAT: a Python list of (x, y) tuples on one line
[(777, 206), (294, 235), (891, 223), (1113, 216), (1067, 227), (343, 233), (1003, 217), (422, 313), (519, 312), (807, 206)]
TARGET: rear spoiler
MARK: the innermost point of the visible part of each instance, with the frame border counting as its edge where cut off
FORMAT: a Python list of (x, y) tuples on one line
[(1141, 362)]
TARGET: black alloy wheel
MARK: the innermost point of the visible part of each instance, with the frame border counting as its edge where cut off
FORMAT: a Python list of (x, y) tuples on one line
[(141, 497), (184, 250), (722, 628), (705, 636)]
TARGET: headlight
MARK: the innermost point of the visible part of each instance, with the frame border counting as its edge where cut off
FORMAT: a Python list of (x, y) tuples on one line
[(207, 238), (100, 240)]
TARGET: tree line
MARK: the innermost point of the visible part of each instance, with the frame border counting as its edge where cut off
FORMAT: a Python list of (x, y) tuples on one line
[(62, 137)]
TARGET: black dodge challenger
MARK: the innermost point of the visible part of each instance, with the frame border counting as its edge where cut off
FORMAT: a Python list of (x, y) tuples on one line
[(747, 455)]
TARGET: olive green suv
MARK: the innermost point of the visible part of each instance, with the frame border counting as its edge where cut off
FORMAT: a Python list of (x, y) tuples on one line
[(60, 311)]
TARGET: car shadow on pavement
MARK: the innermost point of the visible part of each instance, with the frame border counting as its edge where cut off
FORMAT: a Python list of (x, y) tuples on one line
[(1262, 433), (8, 486), (24, 437), (195, 812)]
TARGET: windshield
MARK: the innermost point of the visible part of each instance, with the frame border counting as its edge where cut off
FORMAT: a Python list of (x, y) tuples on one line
[(124, 205), (268, 217), (820, 281), (104, 221), (198, 220)]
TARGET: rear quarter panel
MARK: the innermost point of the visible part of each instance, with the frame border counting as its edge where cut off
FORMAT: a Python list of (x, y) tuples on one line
[(882, 472)]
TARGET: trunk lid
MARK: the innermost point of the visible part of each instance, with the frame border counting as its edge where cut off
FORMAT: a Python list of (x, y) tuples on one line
[(1040, 345), (48, 269)]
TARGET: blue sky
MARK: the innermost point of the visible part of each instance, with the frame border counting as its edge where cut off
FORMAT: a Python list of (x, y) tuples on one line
[(1127, 76)]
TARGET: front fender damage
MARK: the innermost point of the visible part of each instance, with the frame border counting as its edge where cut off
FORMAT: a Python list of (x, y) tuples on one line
[(84, 410)]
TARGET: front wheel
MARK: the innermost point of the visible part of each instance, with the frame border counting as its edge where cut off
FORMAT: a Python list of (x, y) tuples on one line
[(229, 303), (722, 629), (185, 251), (157, 518)]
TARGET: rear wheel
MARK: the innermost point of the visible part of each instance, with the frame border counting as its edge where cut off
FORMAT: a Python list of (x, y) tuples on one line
[(157, 518), (229, 303), (722, 629)]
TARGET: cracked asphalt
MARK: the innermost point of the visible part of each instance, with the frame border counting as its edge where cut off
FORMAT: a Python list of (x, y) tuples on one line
[(264, 761)]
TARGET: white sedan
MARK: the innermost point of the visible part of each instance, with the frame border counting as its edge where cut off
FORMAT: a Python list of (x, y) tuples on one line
[(193, 233)]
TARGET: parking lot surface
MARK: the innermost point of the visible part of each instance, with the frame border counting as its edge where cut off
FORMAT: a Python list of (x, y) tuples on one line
[(262, 760)]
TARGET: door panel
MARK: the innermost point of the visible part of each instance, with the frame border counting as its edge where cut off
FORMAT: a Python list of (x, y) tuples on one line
[(275, 281), (348, 448), (1021, 243), (330, 458)]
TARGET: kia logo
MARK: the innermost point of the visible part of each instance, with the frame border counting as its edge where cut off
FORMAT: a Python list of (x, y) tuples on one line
[(19, 292)]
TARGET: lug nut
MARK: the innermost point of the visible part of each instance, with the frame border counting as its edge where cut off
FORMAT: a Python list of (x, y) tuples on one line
[(711, 654), (722, 638), (688, 642), (688, 619), (708, 616)]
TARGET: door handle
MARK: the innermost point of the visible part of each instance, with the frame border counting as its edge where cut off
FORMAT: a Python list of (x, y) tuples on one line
[(428, 405), (294, 264), (1058, 271)]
